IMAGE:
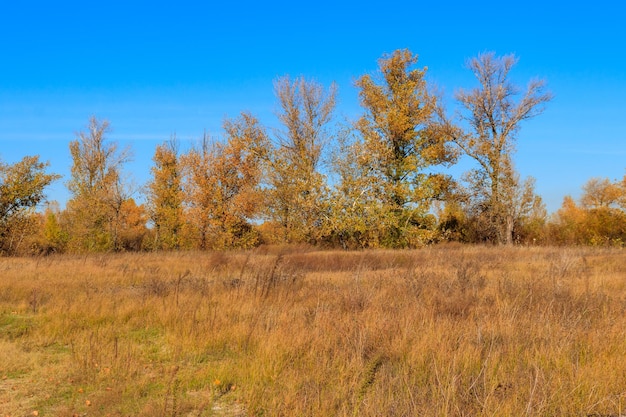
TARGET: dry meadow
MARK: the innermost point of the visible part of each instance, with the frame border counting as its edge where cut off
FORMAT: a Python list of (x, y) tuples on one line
[(442, 331)]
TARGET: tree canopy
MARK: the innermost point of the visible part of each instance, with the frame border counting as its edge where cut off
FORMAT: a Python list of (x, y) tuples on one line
[(22, 188), (380, 180)]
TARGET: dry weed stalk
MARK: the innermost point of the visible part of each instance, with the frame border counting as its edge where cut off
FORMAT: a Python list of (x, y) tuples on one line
[(440, 331)]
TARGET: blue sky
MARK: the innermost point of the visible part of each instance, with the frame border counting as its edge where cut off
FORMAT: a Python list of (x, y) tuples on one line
[(154, 69)]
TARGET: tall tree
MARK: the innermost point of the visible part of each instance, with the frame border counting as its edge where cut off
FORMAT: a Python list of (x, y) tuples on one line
[(22, 188), (197, 191), (490, 120), (297, 188), (238, 170), (98, 190), (621, 185), (566, 224), (165, 196), (224, 184), (390, 172)]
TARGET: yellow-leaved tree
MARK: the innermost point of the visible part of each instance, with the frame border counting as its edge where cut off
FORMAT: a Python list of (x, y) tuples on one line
[(95, 212), (197, 187), (387, 182), (165, 197), (223, 185), (22, 188), (297, 200), (600, 219)]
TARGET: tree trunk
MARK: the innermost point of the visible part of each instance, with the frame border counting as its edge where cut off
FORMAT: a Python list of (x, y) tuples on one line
[(509, 230)]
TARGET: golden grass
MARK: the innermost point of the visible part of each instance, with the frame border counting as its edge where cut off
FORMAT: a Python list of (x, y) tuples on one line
[(443, 331)]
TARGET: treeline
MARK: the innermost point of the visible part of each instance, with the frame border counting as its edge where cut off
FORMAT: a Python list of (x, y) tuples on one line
[(378, 181)]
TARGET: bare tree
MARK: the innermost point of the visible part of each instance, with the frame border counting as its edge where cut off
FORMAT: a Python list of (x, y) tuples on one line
[(487, 129), (600, 192)]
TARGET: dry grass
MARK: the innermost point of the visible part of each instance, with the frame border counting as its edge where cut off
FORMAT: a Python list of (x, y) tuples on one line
[(444, 331)]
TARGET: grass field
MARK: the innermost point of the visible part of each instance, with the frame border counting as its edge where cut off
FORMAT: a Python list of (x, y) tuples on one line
[(443, 331)]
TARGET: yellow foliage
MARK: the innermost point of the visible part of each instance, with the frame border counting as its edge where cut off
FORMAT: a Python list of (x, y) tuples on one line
[(385, 194)]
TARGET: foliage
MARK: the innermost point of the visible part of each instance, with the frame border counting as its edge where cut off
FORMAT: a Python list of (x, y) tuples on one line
[(386, 177), (354, 217), (50, 236), (95, 213), (165, 197), (22, 188), (197, 187), (386, 185), (600, 219), (602, 193), (297, 192), (132, 225), (524, 209), (223, 187), (240, 169)]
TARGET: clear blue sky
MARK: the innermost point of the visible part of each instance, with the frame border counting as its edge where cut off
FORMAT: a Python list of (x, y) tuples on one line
[(154, 69)]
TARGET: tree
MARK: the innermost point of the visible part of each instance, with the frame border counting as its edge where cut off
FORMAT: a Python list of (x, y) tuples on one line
[(238, 169), (525, 211), (132, 220), (99, 193), (566, 226), (605, 220), (223, 185), (601, 192), (165, 196), (241, 167), (528, 212), (297, 192), (50, 236), (353, 221), (22, 188), (600, 219), (491, 117), (197, 191), (390, 174), (622, 198)]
